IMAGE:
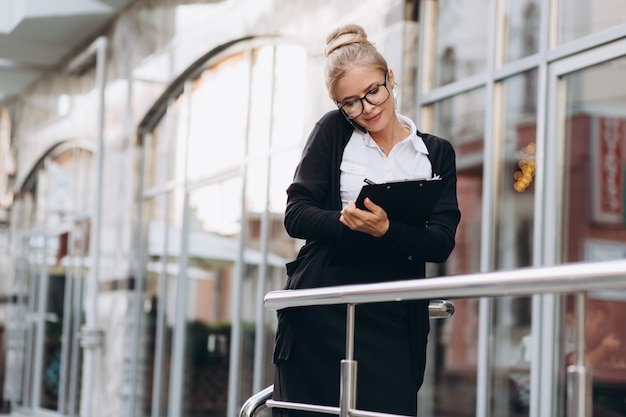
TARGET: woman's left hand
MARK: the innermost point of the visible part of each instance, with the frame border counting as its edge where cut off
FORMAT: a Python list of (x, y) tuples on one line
[(373, 221)]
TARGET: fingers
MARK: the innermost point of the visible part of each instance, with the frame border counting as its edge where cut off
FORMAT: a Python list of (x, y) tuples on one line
[(373, 221), (372, 207)]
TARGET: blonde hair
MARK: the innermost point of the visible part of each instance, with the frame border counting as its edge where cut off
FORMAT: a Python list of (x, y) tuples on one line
[(346, 46)]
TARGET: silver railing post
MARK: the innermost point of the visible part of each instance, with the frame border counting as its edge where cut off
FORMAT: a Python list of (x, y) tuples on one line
[(347, 393), (579, 379)]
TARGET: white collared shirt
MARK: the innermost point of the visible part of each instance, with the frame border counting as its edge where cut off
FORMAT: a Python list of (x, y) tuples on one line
[(362, 158)]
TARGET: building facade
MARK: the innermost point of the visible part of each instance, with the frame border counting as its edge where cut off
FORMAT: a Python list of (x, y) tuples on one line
[(142, 192)]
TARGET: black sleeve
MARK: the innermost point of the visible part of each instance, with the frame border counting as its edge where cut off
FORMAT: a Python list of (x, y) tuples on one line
[(434, 241), (313, 206)]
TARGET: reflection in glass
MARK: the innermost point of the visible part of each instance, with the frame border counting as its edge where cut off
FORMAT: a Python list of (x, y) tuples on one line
[(210, 272), (32, 268), (461, 36), (77, 272), (62, 187), (578, 18), (221, 92), (461, 120), (16, 357), (521, 25), (281, 248), (161, 233), (28, 265), (53, 325), (162, 149), (62, 278), (594, 228), (453, 353), (233, 130), (290, 80), (51, 268), (265, 235), (513, 244)]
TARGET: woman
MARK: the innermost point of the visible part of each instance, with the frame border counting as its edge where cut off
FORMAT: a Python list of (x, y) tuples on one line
[(363, 138)]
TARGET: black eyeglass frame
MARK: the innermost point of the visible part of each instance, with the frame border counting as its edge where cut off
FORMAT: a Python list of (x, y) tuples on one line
[(384, 84)]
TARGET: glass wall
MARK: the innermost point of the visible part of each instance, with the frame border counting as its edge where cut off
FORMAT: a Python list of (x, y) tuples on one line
[(579, 18), (460, 120), (520, 29), (461, 27), (216, 167), (51, 267), (485, 86), (594, 222), (515, 144)]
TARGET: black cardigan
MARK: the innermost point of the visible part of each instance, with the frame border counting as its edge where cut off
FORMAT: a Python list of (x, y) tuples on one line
[(314, 201), (314, 207)]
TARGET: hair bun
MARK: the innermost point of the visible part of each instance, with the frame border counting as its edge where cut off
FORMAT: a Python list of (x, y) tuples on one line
[(345, 35)]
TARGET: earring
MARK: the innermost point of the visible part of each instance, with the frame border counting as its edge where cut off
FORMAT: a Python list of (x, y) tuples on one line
[(395, 99)]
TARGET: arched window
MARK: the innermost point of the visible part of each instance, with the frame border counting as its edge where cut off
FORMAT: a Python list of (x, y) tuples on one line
[(219, 150)]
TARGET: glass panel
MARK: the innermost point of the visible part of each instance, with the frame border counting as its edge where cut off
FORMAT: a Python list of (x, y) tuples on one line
[(74, 318), (460, 39), (521, 26), (262, 264), (28, 269), (594, 226), (461, 119), (163, 148), (513, 245), (281, 247), (63, 187), (19, 359), (290, 80), (283, 165), (578, 18), (217, 129), (453, 352), (15, 343), (213, 243), (83, 173), (46, 360), (53, 316), (161, 244), (24, 213), (262, 89), (249, 92), (516, 168), (35, 256), (256, 259)]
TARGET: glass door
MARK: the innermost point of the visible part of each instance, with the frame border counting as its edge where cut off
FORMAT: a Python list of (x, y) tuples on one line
[(51, 318), (71, 360), (54, 269), (51, 265), (589, 101)]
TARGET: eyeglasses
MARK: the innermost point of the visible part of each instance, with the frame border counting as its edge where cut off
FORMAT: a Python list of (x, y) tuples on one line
[(376, 96)]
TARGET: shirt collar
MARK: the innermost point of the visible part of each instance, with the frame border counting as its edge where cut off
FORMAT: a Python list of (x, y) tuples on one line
[(417, 141)]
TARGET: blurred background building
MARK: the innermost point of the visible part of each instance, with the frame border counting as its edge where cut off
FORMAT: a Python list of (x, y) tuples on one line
[(145, 149)]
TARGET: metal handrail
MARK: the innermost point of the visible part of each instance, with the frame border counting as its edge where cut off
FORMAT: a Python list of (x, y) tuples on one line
[(573, 277), (256, 403), (263, 400)]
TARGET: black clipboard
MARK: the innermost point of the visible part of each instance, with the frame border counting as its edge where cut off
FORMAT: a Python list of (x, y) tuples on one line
[(409, 201)]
